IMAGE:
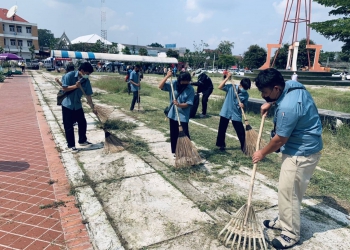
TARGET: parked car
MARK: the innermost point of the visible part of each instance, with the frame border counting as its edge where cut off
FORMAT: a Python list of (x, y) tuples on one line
[(337, 74), (32, 64)]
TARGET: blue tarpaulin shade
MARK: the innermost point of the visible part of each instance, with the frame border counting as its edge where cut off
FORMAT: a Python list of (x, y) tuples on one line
[(111, 57)]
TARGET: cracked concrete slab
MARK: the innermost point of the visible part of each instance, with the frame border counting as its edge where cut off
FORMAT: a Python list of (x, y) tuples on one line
[(148, 210)]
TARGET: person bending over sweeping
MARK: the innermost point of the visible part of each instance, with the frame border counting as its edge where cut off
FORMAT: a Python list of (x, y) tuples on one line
[(297, 133), (72, 109), (135, 85), (205, 85), (231, 110), (184, 94)]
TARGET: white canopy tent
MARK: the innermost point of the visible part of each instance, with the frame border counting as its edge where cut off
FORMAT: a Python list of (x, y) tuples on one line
[(111, 57), (93, 38)]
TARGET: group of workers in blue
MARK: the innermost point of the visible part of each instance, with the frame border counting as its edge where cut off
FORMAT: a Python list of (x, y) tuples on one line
[(297, 134)]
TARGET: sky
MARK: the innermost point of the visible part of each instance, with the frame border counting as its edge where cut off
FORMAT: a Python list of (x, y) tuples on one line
[(183, 22)]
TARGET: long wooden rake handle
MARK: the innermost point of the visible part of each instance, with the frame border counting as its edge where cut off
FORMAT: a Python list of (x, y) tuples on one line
[(239, 101), (172, 91), (254, 166)]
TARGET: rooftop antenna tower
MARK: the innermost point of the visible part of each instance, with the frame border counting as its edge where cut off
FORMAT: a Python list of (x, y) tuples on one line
[(103, 23)]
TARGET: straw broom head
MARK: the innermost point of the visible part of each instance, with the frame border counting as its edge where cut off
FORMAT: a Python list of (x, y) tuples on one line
[(186, 154), (103, 112), (112, 143), (250, 140)]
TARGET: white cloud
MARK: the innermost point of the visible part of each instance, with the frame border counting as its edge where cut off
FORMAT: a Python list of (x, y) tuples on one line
[(226, 30), (246, 33), (199, 18), (191, 4), (129, 13), (280, 7), (119, 27)]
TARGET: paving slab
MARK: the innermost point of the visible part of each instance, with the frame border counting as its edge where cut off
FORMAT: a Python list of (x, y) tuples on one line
[(148, 210), (100, 166)]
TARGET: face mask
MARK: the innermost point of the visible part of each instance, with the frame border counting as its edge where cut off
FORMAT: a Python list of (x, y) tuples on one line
[(242, 90), (269, 99), (85, 76)]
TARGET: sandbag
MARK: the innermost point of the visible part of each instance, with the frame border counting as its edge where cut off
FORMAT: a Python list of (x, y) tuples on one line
[(195, 105)]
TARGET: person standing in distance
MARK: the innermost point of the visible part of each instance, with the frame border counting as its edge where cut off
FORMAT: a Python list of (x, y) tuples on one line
[(205, 86), (295, 76), (72, 108), (297, 133), (134, 85)]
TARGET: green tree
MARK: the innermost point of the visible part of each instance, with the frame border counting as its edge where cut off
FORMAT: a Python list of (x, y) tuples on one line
[(281, 57), (225, 47), (254, 57), (336, 29), (327, 56), (156, 45), (303, 54), (126, 51), (199, 55), (1, 50), (133, 50), (113, 49), (172, 53), (226, 61), (32, 52), (98, 47), (143, 52), (46, 38)]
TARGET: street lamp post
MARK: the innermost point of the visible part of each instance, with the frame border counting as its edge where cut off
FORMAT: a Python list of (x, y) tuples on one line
[(213, 61)]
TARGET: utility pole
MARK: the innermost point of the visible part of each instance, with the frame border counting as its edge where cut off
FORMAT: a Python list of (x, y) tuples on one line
[(103, 23)]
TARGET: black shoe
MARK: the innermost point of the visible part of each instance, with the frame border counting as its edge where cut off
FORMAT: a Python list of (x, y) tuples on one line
[(273, 224), (283, 242), (222, 148)]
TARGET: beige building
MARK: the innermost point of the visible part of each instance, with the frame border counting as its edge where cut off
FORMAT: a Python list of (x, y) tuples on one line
[(18, 35)]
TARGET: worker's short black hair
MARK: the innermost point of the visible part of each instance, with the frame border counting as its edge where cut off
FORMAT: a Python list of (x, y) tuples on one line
[(246, 83), (87, 67), (184, 76), (269, 78)]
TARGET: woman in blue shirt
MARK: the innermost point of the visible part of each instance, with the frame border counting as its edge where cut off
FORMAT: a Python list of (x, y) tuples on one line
[(231, 110), (184, 94)]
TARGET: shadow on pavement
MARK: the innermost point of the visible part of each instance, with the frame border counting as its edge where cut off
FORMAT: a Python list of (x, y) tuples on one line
[(13, 166)]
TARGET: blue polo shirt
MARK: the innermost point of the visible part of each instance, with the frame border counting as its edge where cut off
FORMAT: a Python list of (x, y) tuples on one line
[(186, 96), (73, 99), (296, 117), (134, 76), (231, 109)]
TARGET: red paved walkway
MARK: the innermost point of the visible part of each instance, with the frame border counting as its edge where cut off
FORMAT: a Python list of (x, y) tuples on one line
[(28, 161)]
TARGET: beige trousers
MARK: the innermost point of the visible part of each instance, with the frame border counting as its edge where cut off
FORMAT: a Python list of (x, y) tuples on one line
[(295, 175)]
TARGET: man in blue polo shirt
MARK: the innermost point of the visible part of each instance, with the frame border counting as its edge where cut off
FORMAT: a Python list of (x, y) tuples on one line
[(134, 81), (72, 109), (298, 130)]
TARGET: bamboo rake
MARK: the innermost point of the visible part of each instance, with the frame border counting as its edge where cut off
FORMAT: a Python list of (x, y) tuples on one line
[(245, 226)]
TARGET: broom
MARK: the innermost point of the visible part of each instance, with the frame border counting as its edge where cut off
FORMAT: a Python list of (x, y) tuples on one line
[(103, 111), (112, 143), (250, 133), (245, 225), (186, 154)]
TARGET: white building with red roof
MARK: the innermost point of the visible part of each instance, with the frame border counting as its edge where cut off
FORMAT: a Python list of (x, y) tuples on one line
[(17, 35)]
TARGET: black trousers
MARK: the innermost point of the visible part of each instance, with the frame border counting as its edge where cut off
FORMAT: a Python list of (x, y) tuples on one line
[(239, 128), (174, 133), (69, 118), (205, 99), (134, 99)]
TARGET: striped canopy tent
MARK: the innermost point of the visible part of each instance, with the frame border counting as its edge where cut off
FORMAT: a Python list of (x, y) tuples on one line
[(111, 57)]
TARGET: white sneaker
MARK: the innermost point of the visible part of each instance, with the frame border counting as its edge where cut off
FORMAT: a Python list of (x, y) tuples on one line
[(73, 150), (85, 143)]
